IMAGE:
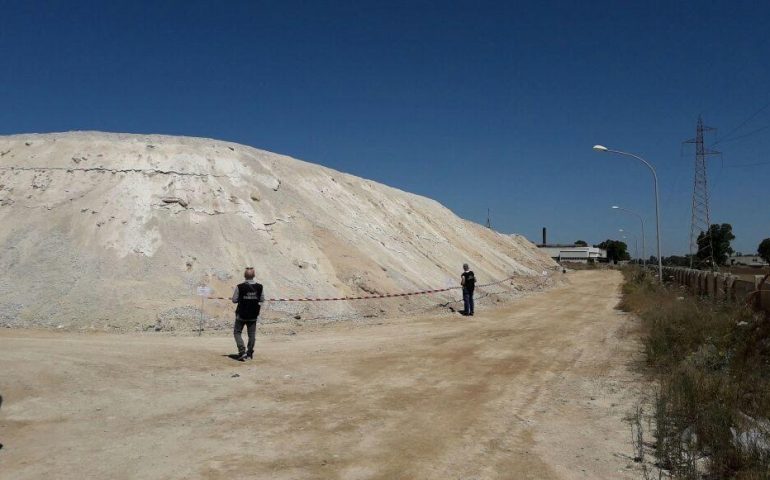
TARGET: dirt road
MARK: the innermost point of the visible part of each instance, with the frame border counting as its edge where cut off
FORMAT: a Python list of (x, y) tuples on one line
[(536, 389)]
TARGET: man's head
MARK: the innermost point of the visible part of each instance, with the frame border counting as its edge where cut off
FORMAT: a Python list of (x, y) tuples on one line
[(465, 267), (248, 274)]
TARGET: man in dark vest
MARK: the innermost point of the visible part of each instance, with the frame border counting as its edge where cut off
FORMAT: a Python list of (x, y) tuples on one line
[(468, 282), (249, 296)]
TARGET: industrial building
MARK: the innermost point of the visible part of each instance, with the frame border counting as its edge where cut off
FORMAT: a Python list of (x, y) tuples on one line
[(747, 260), (574, 253), (571, 252)]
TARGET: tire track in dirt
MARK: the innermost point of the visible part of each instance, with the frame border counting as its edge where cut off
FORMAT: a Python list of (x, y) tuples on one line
[(524, 391)]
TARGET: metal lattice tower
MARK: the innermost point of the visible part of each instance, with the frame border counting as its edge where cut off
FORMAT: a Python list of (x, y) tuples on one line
[(701, 217), (489, 220)]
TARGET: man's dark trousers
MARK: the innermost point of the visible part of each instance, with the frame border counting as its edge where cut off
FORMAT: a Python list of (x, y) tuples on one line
[(468, 301), (251, 330)]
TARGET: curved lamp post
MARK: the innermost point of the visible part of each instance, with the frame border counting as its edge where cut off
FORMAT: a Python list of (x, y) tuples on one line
[(602, 148), (641, 220)]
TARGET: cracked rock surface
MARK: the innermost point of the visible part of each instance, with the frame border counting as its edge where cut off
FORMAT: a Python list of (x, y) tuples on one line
[(114, 231)]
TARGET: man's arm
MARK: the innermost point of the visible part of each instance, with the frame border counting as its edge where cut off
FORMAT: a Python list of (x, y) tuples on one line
[(235, 295), (462, 280)]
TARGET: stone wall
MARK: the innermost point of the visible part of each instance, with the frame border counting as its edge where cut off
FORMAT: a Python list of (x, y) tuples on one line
[(722, 286)]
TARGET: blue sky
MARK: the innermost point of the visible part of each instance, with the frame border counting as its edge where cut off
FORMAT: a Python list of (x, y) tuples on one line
[(476, 104)]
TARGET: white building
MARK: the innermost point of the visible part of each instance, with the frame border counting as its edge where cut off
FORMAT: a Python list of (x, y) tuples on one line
[(747, 260), (573, 253)]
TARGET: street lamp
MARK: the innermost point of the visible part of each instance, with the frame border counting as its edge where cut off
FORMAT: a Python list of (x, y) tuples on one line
[(641, 220), (602, 148)]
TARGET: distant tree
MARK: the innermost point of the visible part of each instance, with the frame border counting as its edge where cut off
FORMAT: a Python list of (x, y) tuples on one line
[(764, 250), (716, 243), (581, 243), (616, 250)]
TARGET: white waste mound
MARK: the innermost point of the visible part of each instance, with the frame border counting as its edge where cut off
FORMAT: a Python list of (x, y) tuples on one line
[(116, 231)]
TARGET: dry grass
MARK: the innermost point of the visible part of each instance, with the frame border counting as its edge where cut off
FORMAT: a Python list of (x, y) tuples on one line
[(713, 365)]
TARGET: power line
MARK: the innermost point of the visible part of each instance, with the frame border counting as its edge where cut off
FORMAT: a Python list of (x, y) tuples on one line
[(750, 118), (744, 135), (757, 164)]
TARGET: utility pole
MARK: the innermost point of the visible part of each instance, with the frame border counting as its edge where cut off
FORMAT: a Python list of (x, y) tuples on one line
[(489, 221), (701, 217)]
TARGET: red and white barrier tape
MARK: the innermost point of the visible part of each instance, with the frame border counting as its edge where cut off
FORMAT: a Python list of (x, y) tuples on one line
[(370, 297)]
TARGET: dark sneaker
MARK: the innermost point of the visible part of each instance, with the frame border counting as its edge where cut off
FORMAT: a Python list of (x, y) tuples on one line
[(249, 356), (242, 357)]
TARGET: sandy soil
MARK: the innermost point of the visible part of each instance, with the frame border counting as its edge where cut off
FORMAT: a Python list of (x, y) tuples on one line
[(111, 210), (536, 389), (747, 273)]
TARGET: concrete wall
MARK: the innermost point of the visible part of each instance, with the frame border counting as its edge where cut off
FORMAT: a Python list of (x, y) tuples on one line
[(721, 286)]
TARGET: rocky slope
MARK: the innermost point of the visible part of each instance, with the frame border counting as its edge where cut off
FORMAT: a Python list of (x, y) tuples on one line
[(103, 230)]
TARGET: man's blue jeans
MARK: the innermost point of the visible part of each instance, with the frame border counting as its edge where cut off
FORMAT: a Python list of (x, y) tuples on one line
[(468, 301)]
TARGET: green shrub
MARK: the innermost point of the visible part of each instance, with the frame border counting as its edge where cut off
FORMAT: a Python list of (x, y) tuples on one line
[(713, 364)]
